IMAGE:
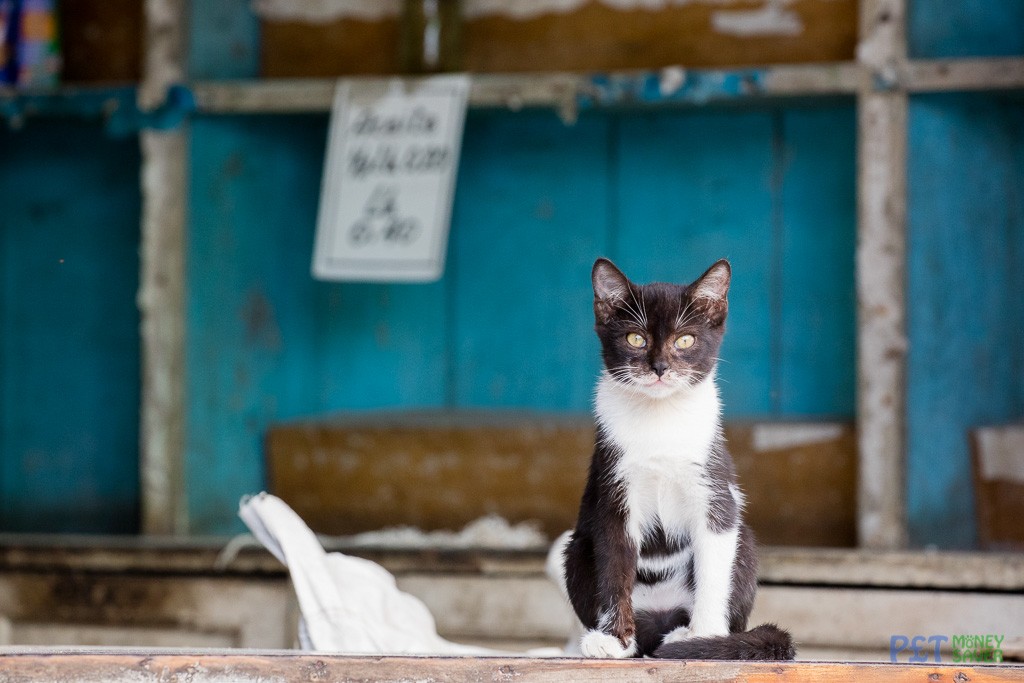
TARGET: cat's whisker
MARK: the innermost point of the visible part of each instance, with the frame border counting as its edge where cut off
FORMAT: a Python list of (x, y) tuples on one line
[(633, 313)]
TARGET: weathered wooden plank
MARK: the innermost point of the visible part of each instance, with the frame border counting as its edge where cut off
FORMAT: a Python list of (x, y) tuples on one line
[(965, 28), (299, 41), (161, 296), (453, 470), (101, 41), (456, 468), (985, 572), (69, 354), (147, 610), (998, 470), (256, 666), (557, 89), (965, 284), (868, 618), (268, 342), (964, 74), (817, 306), (881, 248)]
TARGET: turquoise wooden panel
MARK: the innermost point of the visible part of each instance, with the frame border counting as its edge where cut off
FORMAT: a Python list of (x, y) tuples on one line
[(510, 325), (224, 40), (965, 312), (965, 28), (69, 346), (265, 341), (816, 362), (693, 187), (531, 215)]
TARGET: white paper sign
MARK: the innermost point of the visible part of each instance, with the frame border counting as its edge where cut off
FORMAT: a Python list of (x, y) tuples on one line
[(389, 177)]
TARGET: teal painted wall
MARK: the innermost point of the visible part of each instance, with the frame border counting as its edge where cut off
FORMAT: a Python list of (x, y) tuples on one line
[(965, 28), (69, 350), (662, 192), (510, 325), (965, 304)]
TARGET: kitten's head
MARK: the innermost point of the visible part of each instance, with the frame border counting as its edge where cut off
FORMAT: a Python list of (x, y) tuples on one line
[(660, 338)]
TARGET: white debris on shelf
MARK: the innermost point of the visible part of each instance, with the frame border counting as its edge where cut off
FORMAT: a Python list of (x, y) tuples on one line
[(348, 604), (490, 531)]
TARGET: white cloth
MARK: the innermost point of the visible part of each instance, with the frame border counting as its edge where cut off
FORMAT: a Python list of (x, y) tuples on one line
[(348, 604)]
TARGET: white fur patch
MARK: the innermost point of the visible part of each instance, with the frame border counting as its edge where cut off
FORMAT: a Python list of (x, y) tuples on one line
[(665, 564), (671, 592), (603, 646), (714, 556), (665, 443)]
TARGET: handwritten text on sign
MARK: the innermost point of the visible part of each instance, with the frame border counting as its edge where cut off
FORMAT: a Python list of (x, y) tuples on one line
[(389, 176)]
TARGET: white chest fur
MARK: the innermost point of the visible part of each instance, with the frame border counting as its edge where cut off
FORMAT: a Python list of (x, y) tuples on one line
[(664, 444)]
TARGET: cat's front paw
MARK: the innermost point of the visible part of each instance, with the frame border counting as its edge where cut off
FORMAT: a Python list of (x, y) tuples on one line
[(603, 646)]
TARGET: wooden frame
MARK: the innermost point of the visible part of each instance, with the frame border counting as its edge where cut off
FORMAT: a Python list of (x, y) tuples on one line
[(161, 296), (880, 80)]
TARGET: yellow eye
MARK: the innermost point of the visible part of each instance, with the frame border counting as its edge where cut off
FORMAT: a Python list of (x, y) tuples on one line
[(685, 342), (636, 340)]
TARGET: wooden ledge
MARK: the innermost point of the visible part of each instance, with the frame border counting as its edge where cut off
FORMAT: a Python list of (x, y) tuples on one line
[(999, 572), (242, 666)]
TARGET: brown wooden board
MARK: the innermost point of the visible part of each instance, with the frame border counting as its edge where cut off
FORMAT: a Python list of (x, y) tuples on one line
[(141, 666), (999, 500), (101, 40), (593, 38), (443, 470)]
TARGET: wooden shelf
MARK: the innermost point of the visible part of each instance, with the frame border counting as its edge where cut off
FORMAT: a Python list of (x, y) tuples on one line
[(240, 665), (560, 89), (671, 86), (563, 90)]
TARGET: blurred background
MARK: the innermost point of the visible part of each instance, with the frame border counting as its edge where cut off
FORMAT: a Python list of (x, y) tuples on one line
[(164, 349)]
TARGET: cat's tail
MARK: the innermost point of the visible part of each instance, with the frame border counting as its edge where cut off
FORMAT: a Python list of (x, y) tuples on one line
[(766, 642)]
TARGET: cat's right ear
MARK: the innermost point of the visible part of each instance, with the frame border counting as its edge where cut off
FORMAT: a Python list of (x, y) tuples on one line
[(610, 287)]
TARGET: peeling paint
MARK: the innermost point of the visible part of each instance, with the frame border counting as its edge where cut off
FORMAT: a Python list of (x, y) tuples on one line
[(777, 437), (767, 19), (1001, 454), (672, 78), (770, 20)]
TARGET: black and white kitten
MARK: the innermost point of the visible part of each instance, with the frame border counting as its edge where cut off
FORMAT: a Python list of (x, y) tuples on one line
[(660, 563)]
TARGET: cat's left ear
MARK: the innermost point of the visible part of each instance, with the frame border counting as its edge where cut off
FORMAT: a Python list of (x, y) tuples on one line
[(711, 291)]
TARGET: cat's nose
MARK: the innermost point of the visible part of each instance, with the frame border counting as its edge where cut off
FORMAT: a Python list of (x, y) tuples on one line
[(659, 367)]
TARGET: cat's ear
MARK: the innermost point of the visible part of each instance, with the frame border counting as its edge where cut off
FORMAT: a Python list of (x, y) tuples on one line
[(610, 287), (711, 291)]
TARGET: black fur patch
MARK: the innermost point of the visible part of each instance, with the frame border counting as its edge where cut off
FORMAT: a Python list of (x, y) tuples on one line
[(651, 627), (766, 642)]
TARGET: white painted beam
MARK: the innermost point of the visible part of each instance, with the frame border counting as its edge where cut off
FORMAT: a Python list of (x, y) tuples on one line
[(161, 288), (881, 286)]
